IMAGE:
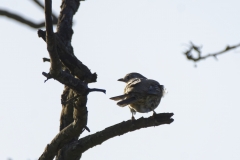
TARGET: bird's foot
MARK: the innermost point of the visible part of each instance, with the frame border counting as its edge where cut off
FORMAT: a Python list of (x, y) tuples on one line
[(133, 119), (154, 114)]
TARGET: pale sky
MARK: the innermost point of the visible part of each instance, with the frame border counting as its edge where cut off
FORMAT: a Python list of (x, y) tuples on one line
[(114, 38)]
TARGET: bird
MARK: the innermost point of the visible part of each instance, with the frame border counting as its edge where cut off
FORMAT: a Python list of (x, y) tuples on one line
[(140, 94)]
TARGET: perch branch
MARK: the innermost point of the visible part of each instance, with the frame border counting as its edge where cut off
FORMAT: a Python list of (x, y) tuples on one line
[(124, 127), (197, 49)]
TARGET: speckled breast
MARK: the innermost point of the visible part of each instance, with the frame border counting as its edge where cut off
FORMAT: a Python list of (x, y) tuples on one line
[(146, 104)]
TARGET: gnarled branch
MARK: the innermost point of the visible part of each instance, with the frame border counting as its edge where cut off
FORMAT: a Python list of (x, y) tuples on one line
[(70, 61), (78, 120)]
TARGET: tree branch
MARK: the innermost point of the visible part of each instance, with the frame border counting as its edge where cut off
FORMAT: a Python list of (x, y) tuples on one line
[(46, 59), (55, 70), (23, 20), (65, 136), (54, 18), (67, 109), (64, 27), (77, 120), (51, 42), (76, 67), (124, 127), (73, 64), (197, 49)]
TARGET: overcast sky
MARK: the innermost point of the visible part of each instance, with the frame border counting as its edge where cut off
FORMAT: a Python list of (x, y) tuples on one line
[(114, 38)]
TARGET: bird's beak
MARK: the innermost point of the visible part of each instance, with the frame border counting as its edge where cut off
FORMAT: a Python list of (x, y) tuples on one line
[(121, 79)]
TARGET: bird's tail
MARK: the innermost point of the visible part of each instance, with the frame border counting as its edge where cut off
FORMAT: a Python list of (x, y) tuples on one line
[(126, 102), (164, 90), (117, 98)]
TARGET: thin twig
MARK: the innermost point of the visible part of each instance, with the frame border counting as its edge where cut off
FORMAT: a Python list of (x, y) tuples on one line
[(25, 21), (21, 19), (193, 47), (46, 59), (42, 6)]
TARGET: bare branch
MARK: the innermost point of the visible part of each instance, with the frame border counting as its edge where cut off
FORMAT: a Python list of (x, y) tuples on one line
[(71, 132), (42, 34), (73, 64), (42, 6), (51, 42), (21, 19), (64, 26), (46, 59), (197, 49), (67, 109), (65, 32), (64, 36), (70, 60), (68, 79), (124, 127), (38, 3), (65, 136)]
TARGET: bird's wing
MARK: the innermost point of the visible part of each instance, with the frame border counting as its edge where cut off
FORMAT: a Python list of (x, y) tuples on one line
[(133, 84), (127, 101), (144, 87), (154, 87)]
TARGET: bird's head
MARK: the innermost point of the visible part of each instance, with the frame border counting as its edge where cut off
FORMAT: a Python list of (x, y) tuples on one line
[(131, 76)]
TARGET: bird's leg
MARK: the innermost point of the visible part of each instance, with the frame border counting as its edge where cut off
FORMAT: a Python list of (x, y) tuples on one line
[(133, 119), (154, 114)]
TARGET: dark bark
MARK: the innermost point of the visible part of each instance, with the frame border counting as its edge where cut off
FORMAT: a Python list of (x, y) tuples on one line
[(75, 128), (70, 61)]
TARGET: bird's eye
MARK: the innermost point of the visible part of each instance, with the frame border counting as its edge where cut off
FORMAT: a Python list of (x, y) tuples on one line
[(128, 77)]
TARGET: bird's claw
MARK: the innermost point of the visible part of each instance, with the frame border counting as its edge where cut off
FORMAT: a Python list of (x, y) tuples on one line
[(133, 119), (154, 114)]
